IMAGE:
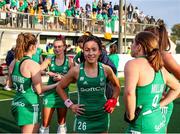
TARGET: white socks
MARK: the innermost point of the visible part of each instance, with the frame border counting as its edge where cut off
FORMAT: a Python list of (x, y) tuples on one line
[(44, 130), (62, 129)]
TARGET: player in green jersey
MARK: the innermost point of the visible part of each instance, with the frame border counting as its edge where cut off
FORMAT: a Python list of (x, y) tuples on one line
[(25, 77), (145, 81), (58, 65), (169, 62), (93, 108)]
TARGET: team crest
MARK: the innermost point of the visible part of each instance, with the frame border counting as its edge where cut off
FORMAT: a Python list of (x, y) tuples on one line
[(81, 79)]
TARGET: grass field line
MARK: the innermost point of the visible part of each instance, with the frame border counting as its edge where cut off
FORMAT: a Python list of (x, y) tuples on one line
[(69, 93), (12, 98)]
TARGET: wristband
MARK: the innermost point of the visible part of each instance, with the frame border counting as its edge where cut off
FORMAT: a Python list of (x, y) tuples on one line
[(68, 103)]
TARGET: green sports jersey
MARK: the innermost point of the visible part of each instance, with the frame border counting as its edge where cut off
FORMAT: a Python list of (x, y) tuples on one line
[(26, 100), (37, 56), (91, 93), (51, 98), (150, 119)]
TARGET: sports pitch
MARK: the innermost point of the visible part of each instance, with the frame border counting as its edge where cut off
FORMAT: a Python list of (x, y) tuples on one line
[(117, 125)]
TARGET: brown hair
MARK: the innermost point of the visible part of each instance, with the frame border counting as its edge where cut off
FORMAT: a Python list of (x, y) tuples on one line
[(162, 34), (61, 38), (149, 43), (82, 38), (23, 43)]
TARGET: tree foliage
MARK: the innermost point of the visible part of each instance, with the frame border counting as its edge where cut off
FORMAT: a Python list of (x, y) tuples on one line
[(175, 35)]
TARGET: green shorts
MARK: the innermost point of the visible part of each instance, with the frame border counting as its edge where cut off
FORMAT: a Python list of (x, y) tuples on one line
[(167, 112), (92, 125), (25, 115), (53, 100), (148, 122)]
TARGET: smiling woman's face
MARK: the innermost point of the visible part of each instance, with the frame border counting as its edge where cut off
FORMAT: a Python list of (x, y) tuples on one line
[(58, 47), (91, 51)]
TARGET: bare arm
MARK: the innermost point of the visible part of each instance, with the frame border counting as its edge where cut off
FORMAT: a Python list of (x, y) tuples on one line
[(45, 64), (171, 65), (65, 81), (174, 85), (131, 79), (37, 81), (10, 70), (70, 77), (114, 80)]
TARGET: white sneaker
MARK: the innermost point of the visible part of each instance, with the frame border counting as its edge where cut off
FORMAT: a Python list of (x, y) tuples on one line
[(7, 88)]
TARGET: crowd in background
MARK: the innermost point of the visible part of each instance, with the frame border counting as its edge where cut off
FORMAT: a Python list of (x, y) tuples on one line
[(100, 13)]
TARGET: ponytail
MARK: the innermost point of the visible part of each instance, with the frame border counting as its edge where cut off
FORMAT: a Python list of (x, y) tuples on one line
[(149, 43), (23, 43), (20, 47), (155, 59), (164, 42)]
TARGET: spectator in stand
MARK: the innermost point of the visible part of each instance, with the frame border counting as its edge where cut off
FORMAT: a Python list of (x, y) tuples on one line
[(88, 10), (99, 18), (114, 23), (116, 8), (94, 6), (99, 5), (130, 10), (93, 20), (51, 18), (84, 19), (136, 11), (57, 13), (69, 20), (110, 9), (152, 20)]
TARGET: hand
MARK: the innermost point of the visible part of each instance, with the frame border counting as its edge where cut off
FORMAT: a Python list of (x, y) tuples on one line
[(51, 74), (77, 109), (58, 77), (136, 115), (110, 105)]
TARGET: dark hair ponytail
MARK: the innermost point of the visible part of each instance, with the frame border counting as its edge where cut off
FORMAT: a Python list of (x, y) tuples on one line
[(149, 42)]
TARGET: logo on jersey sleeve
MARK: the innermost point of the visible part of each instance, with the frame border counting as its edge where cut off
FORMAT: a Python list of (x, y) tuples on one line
[(102, 81)]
